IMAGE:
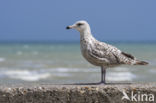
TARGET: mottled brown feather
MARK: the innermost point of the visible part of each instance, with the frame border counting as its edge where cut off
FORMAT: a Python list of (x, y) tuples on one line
[(128, 55)]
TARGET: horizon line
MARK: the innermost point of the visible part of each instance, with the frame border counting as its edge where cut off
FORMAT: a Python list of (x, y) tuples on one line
[(76, 41)]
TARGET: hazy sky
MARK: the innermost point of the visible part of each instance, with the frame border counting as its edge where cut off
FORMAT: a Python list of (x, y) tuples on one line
[(46, 19)]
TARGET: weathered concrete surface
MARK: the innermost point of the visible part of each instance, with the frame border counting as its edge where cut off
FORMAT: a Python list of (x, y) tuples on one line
[(111, 93)]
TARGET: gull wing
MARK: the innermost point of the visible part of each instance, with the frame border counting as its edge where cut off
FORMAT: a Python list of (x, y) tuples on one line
[(105, 53), (128, 55), (97, 57)]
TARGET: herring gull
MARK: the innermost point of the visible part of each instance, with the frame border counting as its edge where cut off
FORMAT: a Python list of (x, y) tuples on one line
[(100, 53)]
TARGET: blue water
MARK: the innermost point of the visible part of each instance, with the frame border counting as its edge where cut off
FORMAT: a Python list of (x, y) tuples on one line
[(63, 63)]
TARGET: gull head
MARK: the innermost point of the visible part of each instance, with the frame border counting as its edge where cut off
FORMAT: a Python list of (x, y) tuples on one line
[(81, 26)]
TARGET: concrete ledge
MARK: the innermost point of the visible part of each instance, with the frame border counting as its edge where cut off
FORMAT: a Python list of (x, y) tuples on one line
[(111, 93)]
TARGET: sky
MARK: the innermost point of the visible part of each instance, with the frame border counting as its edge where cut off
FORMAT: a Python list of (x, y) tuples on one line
[(46, 20)]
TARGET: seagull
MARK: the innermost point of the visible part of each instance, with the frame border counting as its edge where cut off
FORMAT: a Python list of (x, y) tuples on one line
[(100, 53)]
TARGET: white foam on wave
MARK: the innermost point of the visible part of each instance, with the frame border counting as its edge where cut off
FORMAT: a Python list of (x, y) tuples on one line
[(120, 76), (2, 59), (119, 73), (73, 70), (39, 74), (61, 69), (65, 69), (26, 75), (61, 74)]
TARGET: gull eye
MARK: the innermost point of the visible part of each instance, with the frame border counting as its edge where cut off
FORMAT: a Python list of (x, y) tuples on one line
[(79, 24)]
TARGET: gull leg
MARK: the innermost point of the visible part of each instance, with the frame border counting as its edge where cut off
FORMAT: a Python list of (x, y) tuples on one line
[(103, 74)]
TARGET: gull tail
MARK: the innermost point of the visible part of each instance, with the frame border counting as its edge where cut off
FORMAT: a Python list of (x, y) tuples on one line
[(140, 62)]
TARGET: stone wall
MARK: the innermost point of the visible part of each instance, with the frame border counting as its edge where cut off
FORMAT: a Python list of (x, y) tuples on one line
[(110, 93)]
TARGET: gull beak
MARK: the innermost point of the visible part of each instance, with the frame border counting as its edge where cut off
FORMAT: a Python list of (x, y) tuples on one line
[(70, 27)]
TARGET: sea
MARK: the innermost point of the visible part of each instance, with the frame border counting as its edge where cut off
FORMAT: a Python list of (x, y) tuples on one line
[(62, 63)]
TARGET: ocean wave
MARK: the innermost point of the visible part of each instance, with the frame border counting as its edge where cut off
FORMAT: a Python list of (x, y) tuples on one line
[(61, 69), (121, 76), (73, 70), (54, 73), (25, 75)]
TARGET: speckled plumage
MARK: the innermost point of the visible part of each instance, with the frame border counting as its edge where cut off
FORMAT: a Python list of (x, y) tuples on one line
[(99, 53), (102, 54)]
